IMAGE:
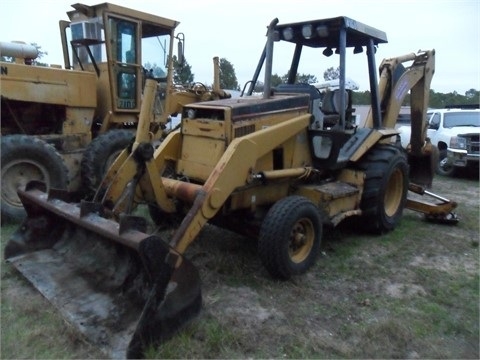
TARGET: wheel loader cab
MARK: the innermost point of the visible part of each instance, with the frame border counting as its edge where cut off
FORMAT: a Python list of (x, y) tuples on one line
[(123, 47)]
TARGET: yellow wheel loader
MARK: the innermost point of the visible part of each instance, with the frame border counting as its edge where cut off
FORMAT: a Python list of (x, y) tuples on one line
[(49, 114), (278, 167)]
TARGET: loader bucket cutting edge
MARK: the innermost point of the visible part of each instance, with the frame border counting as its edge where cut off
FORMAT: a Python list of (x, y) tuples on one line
[(122, 291)]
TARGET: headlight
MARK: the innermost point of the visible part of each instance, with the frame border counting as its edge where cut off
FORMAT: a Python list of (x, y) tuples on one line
[(458, 142), (322, 31), (307, 31), (191, 114), (288, 33)]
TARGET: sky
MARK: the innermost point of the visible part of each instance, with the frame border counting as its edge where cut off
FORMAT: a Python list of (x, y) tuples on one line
[(235, 30)]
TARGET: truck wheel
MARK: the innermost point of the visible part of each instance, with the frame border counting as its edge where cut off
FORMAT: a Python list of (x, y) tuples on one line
[(385, 190), (25, 158), (444, 168), (290, 237), (99, 155)]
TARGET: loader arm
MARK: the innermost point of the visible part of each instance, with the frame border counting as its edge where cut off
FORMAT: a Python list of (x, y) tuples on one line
[(232, 172), (120, 183)]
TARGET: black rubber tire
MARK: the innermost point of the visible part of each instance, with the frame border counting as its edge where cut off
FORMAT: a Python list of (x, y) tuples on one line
[(99, 155), (443, 168), (385, 189), (290, 237), (25, 158)]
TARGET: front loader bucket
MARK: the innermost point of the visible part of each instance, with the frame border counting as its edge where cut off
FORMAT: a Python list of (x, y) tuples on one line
[(120, 287)]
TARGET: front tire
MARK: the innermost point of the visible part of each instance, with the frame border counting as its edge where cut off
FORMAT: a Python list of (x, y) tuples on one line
[(23, 159), (444, 168), (290, 237), (385, 190), (100, 155)]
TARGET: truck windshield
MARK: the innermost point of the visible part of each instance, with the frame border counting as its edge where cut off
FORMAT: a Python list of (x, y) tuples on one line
[(461, 119)]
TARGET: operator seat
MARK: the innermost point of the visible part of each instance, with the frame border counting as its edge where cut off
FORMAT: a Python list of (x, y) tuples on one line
[(331, 107)]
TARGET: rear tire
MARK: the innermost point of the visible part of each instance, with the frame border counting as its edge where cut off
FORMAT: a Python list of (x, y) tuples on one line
[(290, 237), (23, 159), (100, 155), (385, 190)]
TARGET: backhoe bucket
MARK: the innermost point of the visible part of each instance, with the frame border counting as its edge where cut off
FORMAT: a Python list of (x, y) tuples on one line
[(422, 167), (122, 288)]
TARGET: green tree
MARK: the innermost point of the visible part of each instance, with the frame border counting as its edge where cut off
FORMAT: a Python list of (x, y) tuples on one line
[(361, 98), (306, 79), (182, 72), (301, 79), (276, 80), (41, 54), (259, 86), (228, 79), (473, 95), (155, 70), (331, 74), (436, 100)]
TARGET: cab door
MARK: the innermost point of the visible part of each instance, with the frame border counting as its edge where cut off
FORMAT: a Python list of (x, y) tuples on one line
[(125, 63)]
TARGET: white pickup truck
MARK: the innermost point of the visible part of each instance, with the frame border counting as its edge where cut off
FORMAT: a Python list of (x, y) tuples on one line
[(456, 132)]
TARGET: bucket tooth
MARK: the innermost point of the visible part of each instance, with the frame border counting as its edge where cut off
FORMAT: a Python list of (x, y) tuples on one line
[(132, 222), (88, 207), (37, 185)]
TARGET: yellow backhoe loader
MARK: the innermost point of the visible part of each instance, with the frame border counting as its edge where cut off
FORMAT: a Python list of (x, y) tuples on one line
[(50, 114), (277, 167)]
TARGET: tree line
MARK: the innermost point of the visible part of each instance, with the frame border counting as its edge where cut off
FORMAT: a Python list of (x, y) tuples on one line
[(437, 100), (228, 80)]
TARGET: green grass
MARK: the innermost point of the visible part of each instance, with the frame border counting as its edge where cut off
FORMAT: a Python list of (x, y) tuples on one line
[(30, 326), (410, 293)]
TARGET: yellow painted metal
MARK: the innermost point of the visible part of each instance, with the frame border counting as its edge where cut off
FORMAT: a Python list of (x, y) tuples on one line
[(86, 11), (232, 172), (337, 199), (48, 85), (199, 156), (393, 196), (118, 182), (416, 79), (285, 173), (302, 239)]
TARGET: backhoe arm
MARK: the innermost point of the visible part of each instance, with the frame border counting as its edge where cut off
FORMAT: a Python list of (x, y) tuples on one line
[(416, 79), (396, 81)]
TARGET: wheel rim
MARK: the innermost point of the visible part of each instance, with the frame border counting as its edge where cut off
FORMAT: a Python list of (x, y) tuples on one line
[(444, 166), (301, 240), (16, 175), (394, 193)]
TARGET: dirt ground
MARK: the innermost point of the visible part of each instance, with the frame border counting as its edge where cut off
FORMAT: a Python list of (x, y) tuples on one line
[(412, 293)]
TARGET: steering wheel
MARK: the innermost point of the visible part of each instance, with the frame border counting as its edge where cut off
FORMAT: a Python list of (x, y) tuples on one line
[(198, 88)]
